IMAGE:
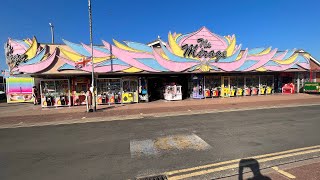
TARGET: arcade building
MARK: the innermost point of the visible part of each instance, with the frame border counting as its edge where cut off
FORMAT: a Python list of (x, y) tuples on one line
[(198, 65)]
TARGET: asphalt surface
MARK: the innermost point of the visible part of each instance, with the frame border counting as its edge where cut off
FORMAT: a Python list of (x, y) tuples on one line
[(105, 150)]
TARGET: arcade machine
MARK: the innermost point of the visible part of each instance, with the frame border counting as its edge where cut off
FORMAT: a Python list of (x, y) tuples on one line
[(172, 92), (143, 90), (79, 88), (129, 90), (108, 90), (212, 86), (198, 87)]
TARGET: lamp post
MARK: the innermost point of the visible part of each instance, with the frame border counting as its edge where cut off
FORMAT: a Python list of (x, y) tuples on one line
[(92, 73), (52, 32)]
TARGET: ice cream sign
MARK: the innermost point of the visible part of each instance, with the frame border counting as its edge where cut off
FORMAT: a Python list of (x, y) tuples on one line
[(202, 50)]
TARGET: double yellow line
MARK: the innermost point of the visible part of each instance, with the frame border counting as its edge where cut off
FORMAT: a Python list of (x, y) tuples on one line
[(211, 168)]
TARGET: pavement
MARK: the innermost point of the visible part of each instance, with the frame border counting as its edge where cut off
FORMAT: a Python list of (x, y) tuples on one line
[(26, 115), (192, 146)]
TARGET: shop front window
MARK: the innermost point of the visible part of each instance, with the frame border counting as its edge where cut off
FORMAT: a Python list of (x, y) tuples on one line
[(212, 82), (55, 93)]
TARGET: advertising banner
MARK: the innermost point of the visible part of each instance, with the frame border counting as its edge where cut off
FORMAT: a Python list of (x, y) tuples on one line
[(19, 89)]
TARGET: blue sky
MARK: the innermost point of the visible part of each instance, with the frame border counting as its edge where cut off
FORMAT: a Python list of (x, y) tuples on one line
[(283, 24)]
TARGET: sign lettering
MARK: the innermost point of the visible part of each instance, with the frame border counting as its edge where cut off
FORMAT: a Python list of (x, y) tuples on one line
[(192, 50)]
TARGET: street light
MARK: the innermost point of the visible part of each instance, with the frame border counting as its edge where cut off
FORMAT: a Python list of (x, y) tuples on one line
[(52, 33), (92, 73)]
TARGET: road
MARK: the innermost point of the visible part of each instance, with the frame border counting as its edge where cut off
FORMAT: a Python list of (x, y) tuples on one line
[(127, 149)]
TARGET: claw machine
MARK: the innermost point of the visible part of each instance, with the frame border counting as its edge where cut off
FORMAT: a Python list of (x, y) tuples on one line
[(108, 90), (198, 86), (172, 92), (55, 92), (129, 90), (143, 90), (80, 86)]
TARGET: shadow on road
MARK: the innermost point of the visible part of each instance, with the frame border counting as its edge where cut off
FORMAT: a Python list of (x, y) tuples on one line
[(253, 164)]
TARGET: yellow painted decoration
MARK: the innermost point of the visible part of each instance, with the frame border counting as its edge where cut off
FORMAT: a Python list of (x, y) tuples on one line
[(239, 56), (176, 49), (164, 56), (132, 70), (26, 41), (176, 37), (76, 57), (124, 47), (306, 55), (266, 51), (290, 60), (261, 69), (228, 39), (32, 51), (205, 68), (231, 47), (45, 57)]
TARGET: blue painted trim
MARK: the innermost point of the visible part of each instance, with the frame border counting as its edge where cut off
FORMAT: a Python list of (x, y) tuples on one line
[(101, 49), (114, 61), (231, 58), (77, 48), (302, 59), (22, 42), (255, 51), (182, 36), (247, 64), (295, 66), (175, 58), (66, 66), (35, 59), (214, 68), (289, 54), (152, 63), (272, 63)]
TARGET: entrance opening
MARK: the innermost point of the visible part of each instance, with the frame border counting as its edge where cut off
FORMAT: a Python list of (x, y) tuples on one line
[(156, 85)]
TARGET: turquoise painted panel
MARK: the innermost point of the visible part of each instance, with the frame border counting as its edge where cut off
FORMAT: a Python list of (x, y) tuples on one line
[(193, 68), (180, 37), (139, 46), (302, 59), (175, 58), (114, 61), (215, 68), (22, 42), (36, 59), (77, 48), (295, 67), (66, 66), (231, 58), (289, 54), (101, 49), (255, 51), (272, 63), (247, 64), (152, 63)]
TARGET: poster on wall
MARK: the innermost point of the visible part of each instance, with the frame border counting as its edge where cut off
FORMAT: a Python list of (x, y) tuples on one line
[(19, 89)]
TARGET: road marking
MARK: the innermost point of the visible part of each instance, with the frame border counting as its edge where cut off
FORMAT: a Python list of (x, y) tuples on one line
[(165, 144), (237, 160), (232, 166), (288, 175)]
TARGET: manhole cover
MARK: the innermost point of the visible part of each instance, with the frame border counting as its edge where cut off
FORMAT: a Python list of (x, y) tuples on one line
[(159, 177)]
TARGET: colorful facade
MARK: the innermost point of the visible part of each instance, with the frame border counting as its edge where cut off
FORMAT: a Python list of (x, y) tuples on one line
[(204, 64)]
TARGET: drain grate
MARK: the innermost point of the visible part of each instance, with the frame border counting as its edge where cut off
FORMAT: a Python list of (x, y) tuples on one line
[(159, 177)]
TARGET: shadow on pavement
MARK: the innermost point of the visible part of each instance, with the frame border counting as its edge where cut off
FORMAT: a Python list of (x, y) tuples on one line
[(253, 164)]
